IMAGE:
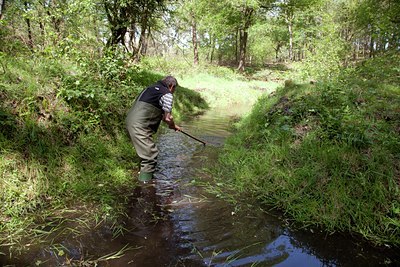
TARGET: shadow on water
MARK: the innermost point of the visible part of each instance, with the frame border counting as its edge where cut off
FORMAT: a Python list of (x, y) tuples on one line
[(173, 222)]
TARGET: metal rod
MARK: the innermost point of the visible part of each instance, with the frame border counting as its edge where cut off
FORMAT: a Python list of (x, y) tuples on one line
[(191, 136)]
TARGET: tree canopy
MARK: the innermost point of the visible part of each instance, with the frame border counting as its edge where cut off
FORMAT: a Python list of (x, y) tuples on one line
[(228, 32)]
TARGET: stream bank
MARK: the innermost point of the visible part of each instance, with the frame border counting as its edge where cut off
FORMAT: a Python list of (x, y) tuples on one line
[(175, 222)]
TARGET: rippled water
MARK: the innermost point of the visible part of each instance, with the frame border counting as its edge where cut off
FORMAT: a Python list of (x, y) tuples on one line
[(215, 234), (202, 230), (176, 223)]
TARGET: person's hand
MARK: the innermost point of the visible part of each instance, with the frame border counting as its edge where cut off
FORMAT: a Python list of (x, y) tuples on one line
[(177, 128)]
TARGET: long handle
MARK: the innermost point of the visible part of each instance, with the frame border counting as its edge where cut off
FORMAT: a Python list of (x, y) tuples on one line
[(191, 136)]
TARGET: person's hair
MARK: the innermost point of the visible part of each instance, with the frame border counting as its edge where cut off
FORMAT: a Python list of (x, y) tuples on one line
[(169, 80)]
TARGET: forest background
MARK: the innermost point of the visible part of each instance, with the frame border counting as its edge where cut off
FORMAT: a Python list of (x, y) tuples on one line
[(70, 69)]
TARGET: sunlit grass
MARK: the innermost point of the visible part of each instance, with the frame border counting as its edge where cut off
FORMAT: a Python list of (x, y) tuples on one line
[(326, 154), (221, 87), (221, 93)]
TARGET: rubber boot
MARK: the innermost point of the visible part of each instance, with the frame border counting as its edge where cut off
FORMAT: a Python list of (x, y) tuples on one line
[(145, 177)]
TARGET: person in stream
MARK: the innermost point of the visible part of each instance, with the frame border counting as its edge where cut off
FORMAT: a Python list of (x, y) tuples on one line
[(153, 105)]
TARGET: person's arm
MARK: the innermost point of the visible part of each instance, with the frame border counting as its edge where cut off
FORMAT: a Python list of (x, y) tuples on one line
[(166, 103), (168, 119)]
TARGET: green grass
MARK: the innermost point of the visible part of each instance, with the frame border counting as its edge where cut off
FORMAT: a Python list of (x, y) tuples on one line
[(63, 141), (221, 93), (221, 87), (326, 154)]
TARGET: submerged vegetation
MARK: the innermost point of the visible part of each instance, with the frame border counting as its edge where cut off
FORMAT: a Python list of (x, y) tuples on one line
[(327, 153)]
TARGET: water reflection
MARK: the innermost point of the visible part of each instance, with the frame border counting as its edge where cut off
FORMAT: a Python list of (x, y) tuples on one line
[(215, 234)]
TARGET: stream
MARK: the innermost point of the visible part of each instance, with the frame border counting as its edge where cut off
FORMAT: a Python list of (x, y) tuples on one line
[(176, 222)]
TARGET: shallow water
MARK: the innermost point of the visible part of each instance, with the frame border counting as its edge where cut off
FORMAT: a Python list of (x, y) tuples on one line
[(176, 223)]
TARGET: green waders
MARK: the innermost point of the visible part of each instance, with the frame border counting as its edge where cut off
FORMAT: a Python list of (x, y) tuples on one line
[(142, 122)]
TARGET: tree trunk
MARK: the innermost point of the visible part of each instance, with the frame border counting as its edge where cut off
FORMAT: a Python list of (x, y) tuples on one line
[(212, 50), (30, 40), (117, 35), (243, 37), (242, 49), (115, 19), (208, 55), (277, 49), (364, 48), (28, 24), (143, 35), (194, 41), (237, 46), (392, 42), (131, 42), (2, 4), (290, 29), (219, 58), (289, 16), (56, 20), (371, 47), (42, 33), (41, 21)]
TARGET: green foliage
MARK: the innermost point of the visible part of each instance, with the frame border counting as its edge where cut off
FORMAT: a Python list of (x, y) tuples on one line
[(127, 16), (53, 29), (8, 43), (100, 93), (180, 67), (261, 47), (330, 50), (326, 154)]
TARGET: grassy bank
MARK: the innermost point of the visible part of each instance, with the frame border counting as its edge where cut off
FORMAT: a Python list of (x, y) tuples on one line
[(221, 87), (63, 143), (328, 154)]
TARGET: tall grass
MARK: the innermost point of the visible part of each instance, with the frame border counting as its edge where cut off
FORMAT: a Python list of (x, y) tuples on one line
[(326, 154)]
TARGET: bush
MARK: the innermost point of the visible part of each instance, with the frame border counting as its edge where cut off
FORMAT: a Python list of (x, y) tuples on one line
[(100, 93)]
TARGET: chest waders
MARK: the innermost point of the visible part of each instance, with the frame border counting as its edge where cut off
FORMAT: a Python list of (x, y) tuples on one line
[(142, 122)]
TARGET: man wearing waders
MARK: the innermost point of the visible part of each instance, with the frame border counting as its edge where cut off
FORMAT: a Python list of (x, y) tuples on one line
[(152, 105)]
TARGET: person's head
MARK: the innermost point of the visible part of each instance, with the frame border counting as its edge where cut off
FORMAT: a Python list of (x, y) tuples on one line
[(171, 83)]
